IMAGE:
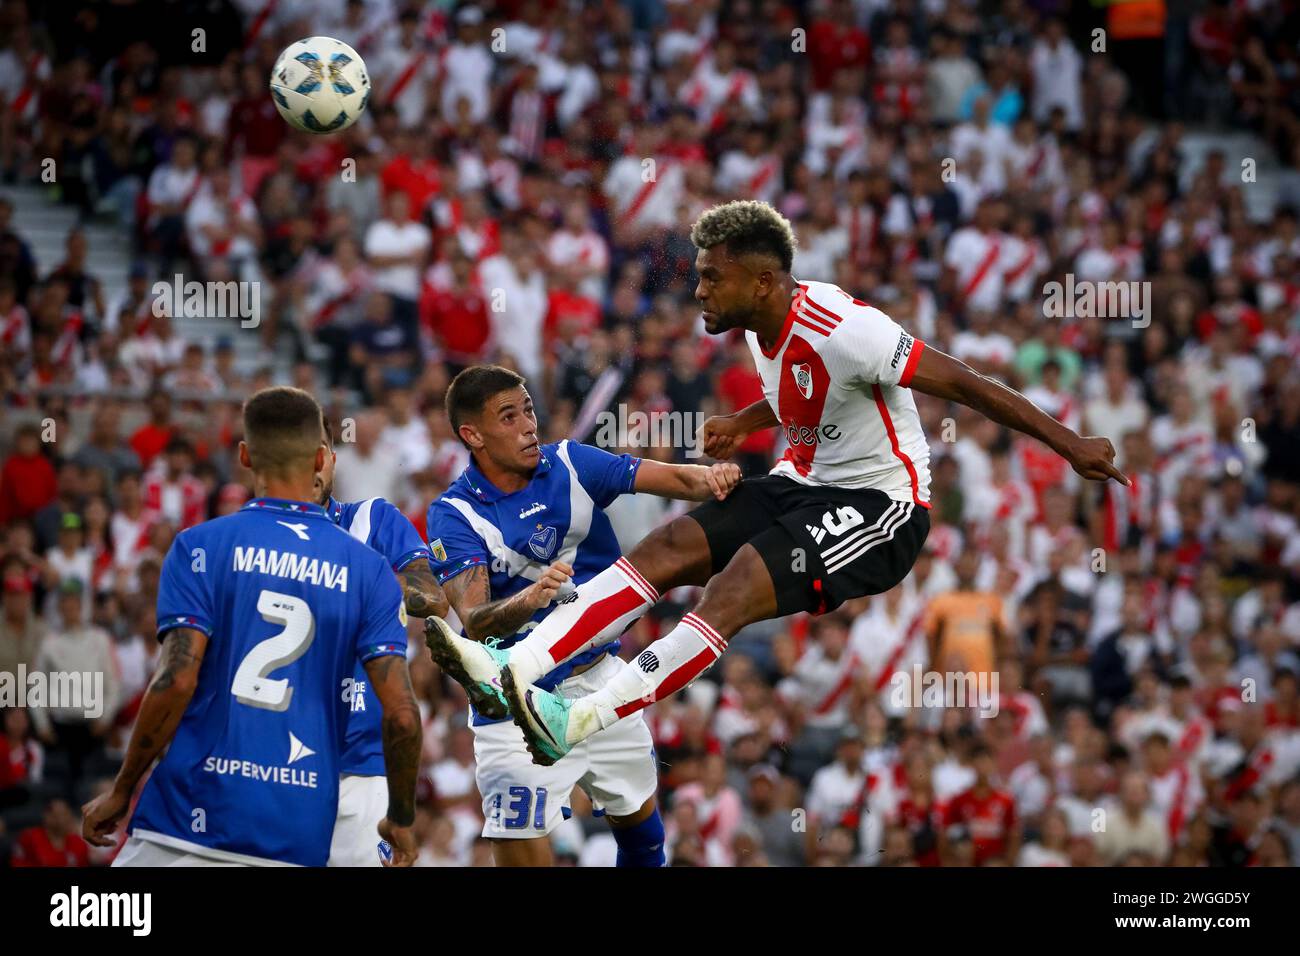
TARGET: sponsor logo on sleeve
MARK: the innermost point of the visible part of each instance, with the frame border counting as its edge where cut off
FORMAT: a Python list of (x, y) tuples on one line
[(904, 349)]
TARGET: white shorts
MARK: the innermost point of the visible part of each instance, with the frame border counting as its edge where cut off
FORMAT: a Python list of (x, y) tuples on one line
[(522, 801), (363, 802), (137, 852)]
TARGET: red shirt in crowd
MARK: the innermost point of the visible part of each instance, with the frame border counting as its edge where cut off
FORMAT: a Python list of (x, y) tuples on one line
[(924, 823), (257, 123), (35, 848), (420, 180), (27, 484), (832, 47), (17, 762), (571, 314), (989, 818), (149, 441), (459, 320)]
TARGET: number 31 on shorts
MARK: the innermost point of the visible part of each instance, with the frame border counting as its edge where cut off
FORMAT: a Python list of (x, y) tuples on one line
[(520, 810)]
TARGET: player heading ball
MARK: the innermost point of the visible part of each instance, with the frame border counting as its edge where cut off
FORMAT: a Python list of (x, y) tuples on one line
[(851, 494)]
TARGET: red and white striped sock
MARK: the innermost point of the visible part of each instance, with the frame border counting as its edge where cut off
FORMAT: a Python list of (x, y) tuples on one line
[(605, 607), (662, 669)]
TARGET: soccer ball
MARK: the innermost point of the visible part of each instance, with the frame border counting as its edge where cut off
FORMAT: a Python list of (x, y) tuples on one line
[(320, 85)]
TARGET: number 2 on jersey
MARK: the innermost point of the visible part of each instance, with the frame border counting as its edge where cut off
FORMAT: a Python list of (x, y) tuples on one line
[(251, 685)]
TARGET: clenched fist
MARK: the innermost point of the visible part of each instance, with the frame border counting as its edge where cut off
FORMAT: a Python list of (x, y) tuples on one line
[(717, 480), (721, 435), (544, 590)]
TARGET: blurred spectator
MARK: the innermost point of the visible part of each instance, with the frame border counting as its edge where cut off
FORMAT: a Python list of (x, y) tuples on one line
[(27, 478), (77, 648), (22, 633), (366, 467), (1132, 826), (987, 813), (22, 759), (55, 842)]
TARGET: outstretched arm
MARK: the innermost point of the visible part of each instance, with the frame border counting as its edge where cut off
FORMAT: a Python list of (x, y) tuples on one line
[(161, 709), (688, 482), (945, 377)]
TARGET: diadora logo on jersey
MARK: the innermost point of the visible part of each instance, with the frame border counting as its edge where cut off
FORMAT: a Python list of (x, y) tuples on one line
[(297, 749), (803, 379), (904, 349), (299, 529), (542, 543), (438, 550), (529, 512)]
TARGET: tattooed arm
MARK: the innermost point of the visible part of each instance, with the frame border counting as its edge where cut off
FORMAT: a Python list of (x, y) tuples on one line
[(423, 596), (482, 618), (161, 710), (403, 735)]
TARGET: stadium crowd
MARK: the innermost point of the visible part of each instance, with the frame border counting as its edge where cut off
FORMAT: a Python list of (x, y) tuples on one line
[(520, 191)]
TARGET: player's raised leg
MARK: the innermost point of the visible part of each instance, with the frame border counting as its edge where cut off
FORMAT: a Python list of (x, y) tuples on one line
[(672, 556), (740, 595)]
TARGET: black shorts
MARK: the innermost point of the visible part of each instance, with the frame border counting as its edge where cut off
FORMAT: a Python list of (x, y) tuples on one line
[(822, 545)]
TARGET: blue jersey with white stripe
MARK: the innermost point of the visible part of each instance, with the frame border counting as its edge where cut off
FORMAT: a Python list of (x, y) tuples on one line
[(380, 525), (557, 516), (290, 603)]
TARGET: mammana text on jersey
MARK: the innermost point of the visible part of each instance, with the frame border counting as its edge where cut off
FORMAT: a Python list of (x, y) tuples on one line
[(286, 564)]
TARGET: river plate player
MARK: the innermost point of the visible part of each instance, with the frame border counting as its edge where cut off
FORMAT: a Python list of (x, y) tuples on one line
[(842, 515)]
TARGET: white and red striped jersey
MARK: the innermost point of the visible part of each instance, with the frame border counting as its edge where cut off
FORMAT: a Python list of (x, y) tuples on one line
[(587, 249), (824, 687), (977, 258), (22, 77), (750, 177), (1181, 448), (1024, 261), (15, 331), (862, 224), (1176, 795), (643, 196), (1097, 264), (837, 382), (1132, 510), (1061, 405), (183, 502), (401, 76), (889, 643), (708, 89)]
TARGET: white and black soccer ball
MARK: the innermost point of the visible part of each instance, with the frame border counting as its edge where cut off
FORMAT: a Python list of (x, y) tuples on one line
[(320, 85)]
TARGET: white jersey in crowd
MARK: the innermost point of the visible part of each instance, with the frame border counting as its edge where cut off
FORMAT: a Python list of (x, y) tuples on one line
[(837, 382), (978, 259)]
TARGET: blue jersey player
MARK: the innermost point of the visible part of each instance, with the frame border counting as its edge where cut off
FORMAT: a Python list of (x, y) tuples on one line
[(511, 539), (363, 791), (262, 614)]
